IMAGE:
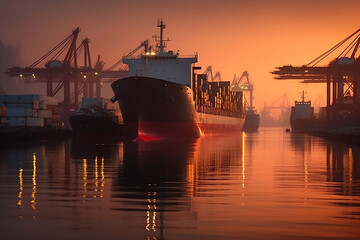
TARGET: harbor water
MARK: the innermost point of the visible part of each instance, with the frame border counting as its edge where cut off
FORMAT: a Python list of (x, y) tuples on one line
[(265, 185)]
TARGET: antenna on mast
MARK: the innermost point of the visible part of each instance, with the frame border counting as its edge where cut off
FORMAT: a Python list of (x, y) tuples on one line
[(303, 95), (161, 25)]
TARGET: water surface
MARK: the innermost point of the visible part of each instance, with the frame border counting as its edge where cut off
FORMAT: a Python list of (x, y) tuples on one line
[(265, 185)]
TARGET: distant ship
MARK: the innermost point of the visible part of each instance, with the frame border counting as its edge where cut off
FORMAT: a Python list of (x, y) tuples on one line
[(302, 116), (252, 121), (164, 98), (97, 117), (252, 118)]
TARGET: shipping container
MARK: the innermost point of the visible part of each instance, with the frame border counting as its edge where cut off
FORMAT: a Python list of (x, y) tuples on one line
[(4, 121), (48, 100), (44, 113), (3, 111), (34, 105), (21, 112), (17, 121), (24, 98), (34, 122)]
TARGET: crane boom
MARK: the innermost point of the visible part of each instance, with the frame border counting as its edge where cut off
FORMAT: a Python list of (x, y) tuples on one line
[(208, 71), (142, 44)]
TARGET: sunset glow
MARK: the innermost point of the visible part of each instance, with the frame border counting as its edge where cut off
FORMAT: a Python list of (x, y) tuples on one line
[(231, 36)]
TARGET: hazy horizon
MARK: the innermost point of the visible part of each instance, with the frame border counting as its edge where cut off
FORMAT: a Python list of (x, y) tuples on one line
[(231, 36)]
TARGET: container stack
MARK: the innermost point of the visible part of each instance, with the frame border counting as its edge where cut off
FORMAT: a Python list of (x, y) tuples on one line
[(217, 98), (29, 111)]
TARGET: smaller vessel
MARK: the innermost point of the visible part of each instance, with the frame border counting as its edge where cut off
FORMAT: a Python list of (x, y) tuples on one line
[(97, 117), (302, 116), (252, 118)]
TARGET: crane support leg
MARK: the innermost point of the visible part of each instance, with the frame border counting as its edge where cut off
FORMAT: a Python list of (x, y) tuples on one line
[(49, 90), (86, 89), (356, 85), (98, 87), (328, 97), (91, 88), (76, 92), (67, 93), (341, 89)]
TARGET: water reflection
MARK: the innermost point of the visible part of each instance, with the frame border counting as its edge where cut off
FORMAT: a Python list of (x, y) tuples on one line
[(342, 171), (265, 184), (153, 179), (21, 189), (342, 161), (94, 157), (343, 166), (33, 194)]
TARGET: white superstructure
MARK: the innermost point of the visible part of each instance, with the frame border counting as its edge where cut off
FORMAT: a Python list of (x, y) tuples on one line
[(162, 65)]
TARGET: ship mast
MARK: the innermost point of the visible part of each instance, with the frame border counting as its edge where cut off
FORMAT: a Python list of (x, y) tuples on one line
[(303, 96), (161, 25)]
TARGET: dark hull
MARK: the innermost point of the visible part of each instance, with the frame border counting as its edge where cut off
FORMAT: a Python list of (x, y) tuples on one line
[(301, 125), (87, 125), (252, 122), (162, 109)]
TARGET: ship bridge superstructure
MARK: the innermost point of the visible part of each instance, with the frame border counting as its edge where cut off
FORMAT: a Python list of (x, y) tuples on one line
[(162, 64)]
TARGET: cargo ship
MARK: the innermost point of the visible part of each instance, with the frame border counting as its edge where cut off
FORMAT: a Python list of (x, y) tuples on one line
[(163, 97), (97, 117), (302, 116)]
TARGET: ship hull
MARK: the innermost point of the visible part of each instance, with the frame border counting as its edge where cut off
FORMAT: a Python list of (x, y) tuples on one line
[(161, 109), (301, 125), (252, 122), (91, 125)]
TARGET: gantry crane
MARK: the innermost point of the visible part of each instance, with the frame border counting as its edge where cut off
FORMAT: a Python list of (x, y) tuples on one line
[(67, 73), (56, 70), (208, 71), (282, 104), (341, 75), (243, 84)]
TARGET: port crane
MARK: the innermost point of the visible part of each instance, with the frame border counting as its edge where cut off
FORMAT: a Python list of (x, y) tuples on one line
[(63, 69), (111, 74), (341, 75), (208, 71), (56, 70), (282, 104), (144, 44), (243, 84)]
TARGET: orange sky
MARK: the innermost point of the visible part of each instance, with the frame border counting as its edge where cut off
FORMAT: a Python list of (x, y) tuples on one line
[(231, 35)]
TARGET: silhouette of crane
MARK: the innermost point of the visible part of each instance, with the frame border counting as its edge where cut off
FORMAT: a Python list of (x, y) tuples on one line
[(282, 104), (243, 84), (341, 75), (208, 71)]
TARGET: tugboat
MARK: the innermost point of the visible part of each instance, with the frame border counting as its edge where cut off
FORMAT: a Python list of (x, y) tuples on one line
[(97, 117), (302, 116), (163, 97)]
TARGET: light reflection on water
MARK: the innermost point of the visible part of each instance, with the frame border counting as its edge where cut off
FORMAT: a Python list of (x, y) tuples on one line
[(265, 185)]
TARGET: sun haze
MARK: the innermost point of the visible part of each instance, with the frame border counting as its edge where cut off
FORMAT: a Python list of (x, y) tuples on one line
[(231, 36)]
